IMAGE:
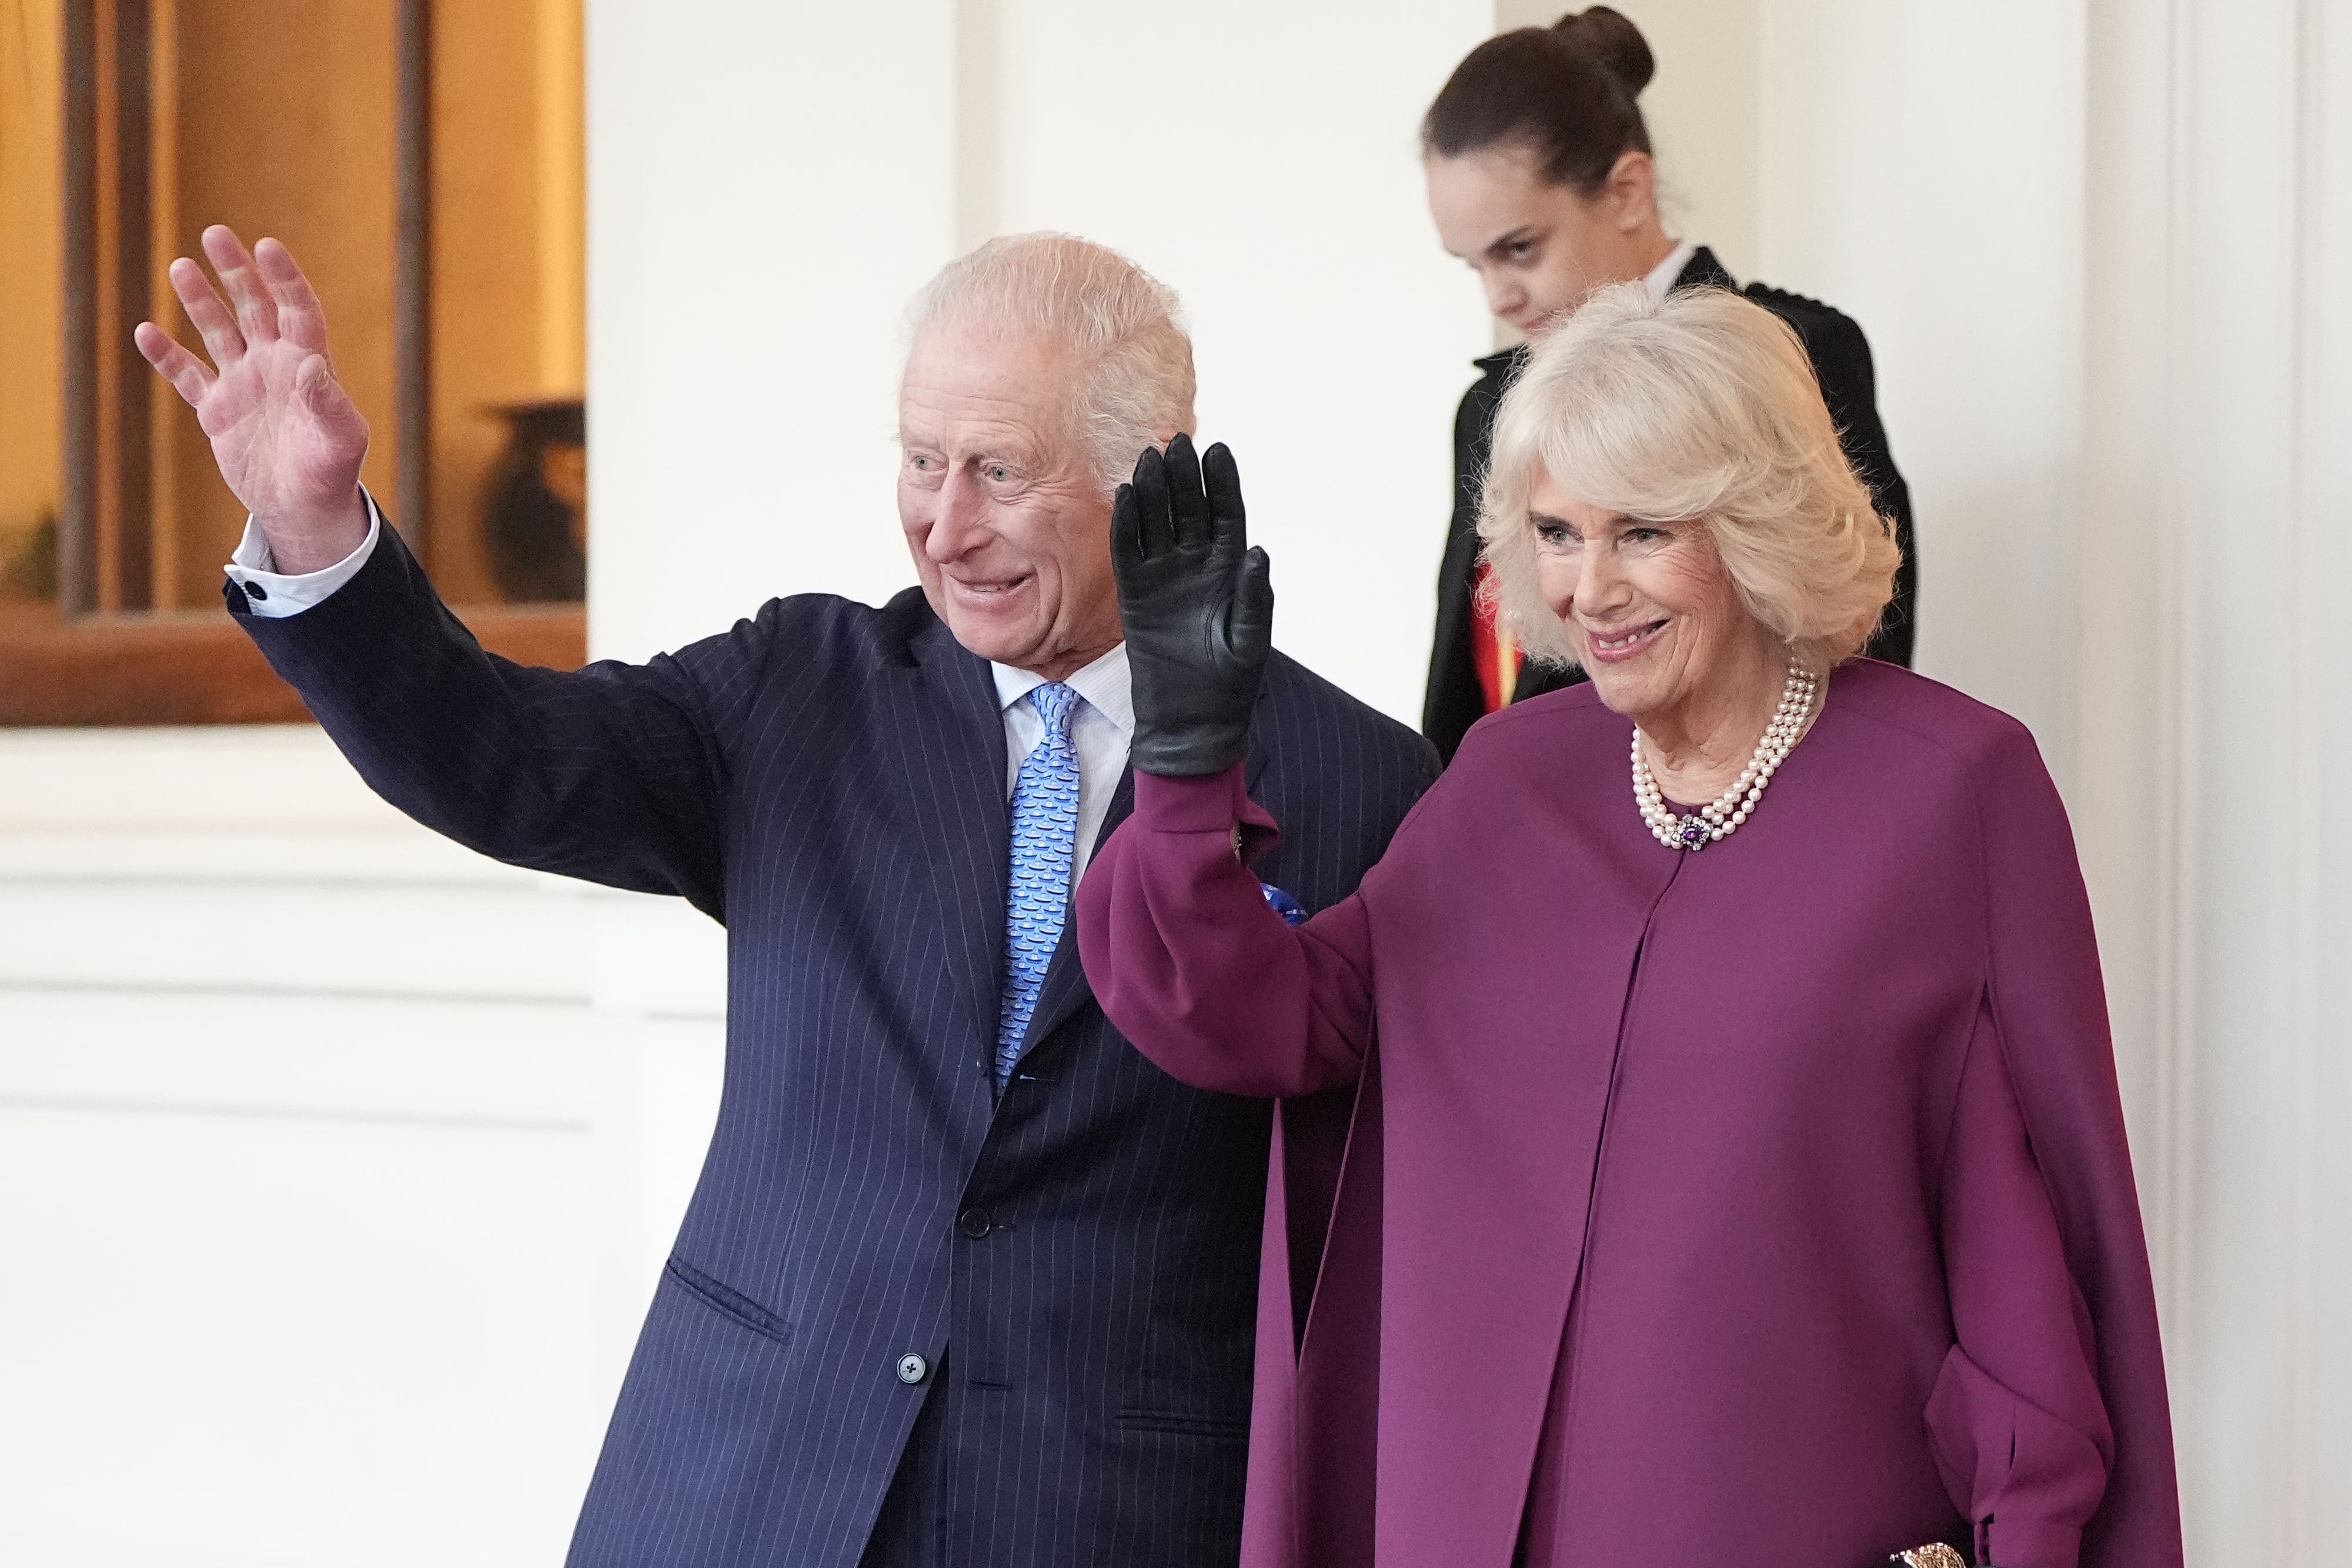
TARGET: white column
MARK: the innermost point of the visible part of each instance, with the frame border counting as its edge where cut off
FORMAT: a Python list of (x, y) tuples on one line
[(2217, 684)]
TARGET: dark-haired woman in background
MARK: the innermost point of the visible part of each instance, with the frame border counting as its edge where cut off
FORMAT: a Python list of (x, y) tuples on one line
[(1540, 177)]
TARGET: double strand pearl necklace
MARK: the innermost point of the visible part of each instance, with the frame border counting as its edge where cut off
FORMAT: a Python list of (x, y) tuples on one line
[(1721, 816)]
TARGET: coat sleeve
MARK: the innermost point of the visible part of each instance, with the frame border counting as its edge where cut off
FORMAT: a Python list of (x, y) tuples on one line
[(613, 773), (2051, 1417), (1194, 968), (2019, 1427)]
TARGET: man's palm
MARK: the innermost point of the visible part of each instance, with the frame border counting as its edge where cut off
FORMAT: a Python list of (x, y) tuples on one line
[(288, 441)]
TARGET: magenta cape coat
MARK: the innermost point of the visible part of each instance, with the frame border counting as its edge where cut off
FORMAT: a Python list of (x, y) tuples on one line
[(1766, 1205)]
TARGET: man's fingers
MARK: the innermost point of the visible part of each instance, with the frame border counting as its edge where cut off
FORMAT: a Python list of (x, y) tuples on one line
[(299, 318), (1221, 481), (1156, 527), (173, 363), (1189, 507), (257, 312), (206, 314)]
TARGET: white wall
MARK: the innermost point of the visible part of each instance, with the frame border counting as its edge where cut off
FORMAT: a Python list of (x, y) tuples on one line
[(1922, 170), (336, 1163), (2217, 703), (768, 185)]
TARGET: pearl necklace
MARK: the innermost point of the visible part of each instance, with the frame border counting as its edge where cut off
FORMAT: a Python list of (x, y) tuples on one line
[(1719, 817)]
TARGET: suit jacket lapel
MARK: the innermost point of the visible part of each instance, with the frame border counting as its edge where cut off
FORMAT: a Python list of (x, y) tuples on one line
[(964, 838)]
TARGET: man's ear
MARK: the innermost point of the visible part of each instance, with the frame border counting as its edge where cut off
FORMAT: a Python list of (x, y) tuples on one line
[(1631, 190)]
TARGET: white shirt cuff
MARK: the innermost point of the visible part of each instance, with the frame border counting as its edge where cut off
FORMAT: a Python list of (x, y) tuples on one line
[(271, 594)]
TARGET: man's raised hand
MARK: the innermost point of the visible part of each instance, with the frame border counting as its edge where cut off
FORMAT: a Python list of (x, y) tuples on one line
[(286, 438)]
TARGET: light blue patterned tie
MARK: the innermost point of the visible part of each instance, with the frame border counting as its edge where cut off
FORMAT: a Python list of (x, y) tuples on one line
[(1037, 897)]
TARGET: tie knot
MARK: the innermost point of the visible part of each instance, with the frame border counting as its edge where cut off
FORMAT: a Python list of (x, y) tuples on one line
[(1055, 703)]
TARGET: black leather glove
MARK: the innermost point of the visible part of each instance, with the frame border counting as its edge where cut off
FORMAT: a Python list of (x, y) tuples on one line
[(1198, 608)]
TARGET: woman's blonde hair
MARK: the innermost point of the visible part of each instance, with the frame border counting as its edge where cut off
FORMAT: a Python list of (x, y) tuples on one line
[(1701, 405)]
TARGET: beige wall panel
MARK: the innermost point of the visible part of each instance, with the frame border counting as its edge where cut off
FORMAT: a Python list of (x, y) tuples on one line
[(487, 266), (31, 470), (285, 128)]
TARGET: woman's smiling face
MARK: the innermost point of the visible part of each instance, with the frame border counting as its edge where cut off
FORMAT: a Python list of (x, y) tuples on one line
[(1651, 611)]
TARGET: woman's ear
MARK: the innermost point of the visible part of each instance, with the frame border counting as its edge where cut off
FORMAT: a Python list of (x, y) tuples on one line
[(1630, 193)]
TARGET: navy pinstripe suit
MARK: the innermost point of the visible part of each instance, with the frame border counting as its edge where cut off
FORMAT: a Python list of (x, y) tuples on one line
[(1076, 1260)]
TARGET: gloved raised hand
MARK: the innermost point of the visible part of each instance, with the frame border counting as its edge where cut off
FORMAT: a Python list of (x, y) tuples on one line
[(1198, 607)]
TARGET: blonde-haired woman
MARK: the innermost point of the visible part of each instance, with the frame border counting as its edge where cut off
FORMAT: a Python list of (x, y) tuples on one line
[(1739, 1176)]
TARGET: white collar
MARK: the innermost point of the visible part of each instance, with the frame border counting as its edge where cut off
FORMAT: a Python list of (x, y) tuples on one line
[(1104, 684), (1661, 279)]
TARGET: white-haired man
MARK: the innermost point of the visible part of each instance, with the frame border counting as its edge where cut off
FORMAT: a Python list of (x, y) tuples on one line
[(967, 1279)]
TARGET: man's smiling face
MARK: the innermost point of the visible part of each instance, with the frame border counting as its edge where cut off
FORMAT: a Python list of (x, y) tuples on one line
[(1008, 524)]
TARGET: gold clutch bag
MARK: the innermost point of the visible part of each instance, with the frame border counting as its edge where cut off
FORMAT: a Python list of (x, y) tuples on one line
[(1934, 1556)]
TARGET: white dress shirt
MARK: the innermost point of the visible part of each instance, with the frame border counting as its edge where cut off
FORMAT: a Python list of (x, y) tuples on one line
[(1102, 727), (1661, 279), (249, 566)]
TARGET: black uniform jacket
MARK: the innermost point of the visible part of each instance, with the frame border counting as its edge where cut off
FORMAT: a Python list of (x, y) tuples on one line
[(1841, 356)]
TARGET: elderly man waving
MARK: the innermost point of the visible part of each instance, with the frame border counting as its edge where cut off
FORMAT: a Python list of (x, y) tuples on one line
[(967, 1279)]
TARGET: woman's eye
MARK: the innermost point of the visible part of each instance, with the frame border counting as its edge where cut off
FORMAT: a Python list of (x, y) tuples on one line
[(998, 472), (1521, 249)]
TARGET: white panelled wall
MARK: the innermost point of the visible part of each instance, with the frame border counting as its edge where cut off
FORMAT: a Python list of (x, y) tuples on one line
[(2216, 686), (336, 1164)]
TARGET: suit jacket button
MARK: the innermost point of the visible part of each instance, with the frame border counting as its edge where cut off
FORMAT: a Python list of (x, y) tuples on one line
[(913, 1368), (975, 1223)]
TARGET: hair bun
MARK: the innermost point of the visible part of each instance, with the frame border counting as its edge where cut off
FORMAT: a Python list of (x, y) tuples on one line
[(1614, 43)]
